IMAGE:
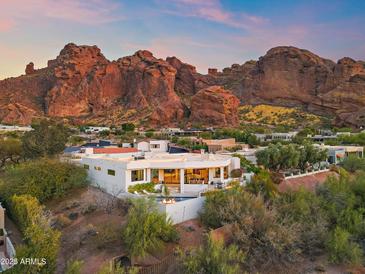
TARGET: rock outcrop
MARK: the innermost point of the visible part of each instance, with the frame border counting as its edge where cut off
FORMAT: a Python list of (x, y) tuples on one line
[(214, 106), (288, 76), (82, 84)]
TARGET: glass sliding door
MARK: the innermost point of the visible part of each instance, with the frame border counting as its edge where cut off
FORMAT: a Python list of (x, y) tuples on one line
[(172, 176), (197, 176)]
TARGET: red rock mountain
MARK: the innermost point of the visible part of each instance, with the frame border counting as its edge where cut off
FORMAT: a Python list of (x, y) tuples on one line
[(82, 85)]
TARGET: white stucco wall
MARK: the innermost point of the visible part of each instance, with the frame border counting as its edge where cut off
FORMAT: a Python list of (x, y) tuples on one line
[(100, 178), (184, 210), (143, 146)]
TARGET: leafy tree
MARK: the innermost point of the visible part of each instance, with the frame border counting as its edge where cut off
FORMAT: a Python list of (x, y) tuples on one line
[(263, 184), (246, 164), (213, 258), (310, 155), (43, 179), (128, 127), (10, 151), (282, 157), (47, 139), (149, 134), (353, 163), (104, 133), (146, 228)]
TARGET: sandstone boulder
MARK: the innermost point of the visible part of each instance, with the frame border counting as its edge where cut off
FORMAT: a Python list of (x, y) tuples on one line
[(214, 106)]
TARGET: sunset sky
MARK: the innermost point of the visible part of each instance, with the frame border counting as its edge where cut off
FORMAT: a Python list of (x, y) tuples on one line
[(205, 33)]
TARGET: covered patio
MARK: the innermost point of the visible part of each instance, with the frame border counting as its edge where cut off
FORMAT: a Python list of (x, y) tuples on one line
[(189, 180)]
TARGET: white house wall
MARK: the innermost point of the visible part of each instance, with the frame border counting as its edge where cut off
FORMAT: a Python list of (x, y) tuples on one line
[(184, 210), (100, 178)]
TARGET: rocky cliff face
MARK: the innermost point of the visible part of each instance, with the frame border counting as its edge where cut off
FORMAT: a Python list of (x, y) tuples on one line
[(289, 76), (81, 83), (215, 106)]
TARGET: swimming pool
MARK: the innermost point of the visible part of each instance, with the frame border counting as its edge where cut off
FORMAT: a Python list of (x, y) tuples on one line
[(177, 199)]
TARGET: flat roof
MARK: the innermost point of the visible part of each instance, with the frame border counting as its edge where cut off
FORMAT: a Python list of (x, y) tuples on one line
[(164, 159)]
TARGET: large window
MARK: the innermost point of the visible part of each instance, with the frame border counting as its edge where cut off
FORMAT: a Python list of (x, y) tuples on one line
[(111, 172), (137, 175), (86, 166), (98, 168), (155, 145), (196, 176), (226, 172)]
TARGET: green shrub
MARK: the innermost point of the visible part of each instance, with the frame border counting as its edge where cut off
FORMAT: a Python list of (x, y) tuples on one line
[(74, 267), (353, 163), (303, 208), (213, 258), (255, 228), (41, 241), (146, 228), (263, 184), (43, 179), (107, 234), (341, 249), (149, 187)]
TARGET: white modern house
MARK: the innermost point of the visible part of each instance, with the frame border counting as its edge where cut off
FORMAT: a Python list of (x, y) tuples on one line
[(185, 173)]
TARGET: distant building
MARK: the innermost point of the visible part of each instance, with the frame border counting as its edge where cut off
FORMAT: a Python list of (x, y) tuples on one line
[(15, 128), (171, 130), (153, 146), (276, 136), (96, 129), (336, 154), (215, 145)]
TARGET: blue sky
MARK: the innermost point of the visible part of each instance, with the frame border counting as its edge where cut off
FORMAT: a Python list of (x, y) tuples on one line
[(205, 33)]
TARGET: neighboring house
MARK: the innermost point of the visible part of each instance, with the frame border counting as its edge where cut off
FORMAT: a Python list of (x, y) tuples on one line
[(7, 250), (15, 128), (322, 138), (337, 154), (96, 129), (153, 146), (215, 145), (288, 136), (186, 172), (172, 131), (248, 153)]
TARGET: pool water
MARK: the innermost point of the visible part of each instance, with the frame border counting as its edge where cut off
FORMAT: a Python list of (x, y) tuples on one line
[(177, 199)]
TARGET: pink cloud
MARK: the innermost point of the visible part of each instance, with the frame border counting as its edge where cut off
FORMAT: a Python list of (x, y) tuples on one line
[(91, 12), (6, 24), (211, 10)]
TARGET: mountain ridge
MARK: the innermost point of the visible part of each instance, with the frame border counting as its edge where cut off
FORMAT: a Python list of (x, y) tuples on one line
[(83, 86)]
